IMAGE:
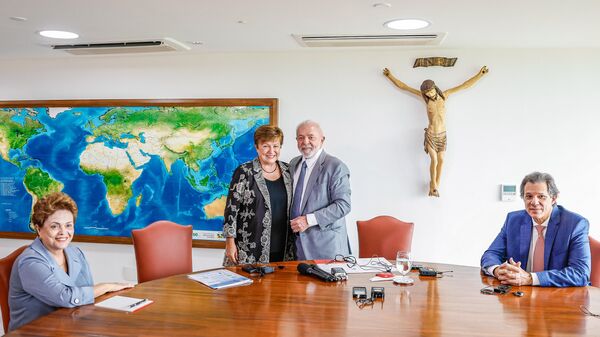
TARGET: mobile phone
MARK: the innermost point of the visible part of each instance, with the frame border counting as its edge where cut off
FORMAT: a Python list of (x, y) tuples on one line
[(425, 271), (502, 289), (359, 292), (250, 269)]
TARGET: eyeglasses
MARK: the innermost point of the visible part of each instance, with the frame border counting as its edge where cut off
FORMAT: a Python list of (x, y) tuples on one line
[(350, 260), (374, 263), (363, 302), (587, 311)]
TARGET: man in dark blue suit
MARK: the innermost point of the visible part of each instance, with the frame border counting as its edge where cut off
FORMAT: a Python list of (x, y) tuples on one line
[(544, 245)]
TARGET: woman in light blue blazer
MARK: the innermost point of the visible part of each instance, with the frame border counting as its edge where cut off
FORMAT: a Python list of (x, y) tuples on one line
[(50, 274)]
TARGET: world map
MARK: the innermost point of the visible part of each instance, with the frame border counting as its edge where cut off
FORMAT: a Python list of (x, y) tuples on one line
[(125, 167)]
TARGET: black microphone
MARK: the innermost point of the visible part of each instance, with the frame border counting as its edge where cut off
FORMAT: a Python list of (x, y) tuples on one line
[(313, 270)]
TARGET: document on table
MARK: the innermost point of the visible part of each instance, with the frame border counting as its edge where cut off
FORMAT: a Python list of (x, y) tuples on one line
[(363, 265), (124, 303), (220, 278)]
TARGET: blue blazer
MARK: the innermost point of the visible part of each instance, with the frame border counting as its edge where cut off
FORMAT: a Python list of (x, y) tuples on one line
[(39, 286), (567, 258)]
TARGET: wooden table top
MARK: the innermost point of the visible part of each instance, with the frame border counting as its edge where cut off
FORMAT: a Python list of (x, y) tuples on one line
[(286, 303)]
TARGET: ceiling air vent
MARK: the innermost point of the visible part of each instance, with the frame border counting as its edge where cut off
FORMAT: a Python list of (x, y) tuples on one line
[(129, 47), (369, 40)]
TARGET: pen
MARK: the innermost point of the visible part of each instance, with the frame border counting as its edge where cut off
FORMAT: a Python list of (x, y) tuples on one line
[(137, 303)]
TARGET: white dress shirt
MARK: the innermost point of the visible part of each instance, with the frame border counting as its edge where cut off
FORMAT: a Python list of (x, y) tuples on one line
[(310, 164), (534, 237)]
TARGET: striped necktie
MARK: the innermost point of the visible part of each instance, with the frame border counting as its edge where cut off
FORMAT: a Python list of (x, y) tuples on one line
[(297, 202), (538, 252)]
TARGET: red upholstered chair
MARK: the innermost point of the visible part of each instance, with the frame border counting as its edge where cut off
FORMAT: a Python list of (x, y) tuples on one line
[(162, 249), (595, 250), (384, 236), (6, 265)]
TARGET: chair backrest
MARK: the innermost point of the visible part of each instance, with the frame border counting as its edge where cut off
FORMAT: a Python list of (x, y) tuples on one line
[(6, 265), (595, 252), (162, 249), (384, 236)]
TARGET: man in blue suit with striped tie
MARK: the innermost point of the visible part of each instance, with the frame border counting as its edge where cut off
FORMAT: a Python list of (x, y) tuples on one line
[(543, 245)]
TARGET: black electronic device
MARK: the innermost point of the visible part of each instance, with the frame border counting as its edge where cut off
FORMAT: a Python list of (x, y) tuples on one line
[(377, 292), (313, 270), (426, 271), (339, 273), (359, 292), (254, 269), (502, 289), (416, 266)]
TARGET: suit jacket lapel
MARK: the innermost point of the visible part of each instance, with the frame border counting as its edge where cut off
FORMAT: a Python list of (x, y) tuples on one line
[(294, 165), (551, 232), (525, 241), (314, 175), (74, 264), (260, 182)]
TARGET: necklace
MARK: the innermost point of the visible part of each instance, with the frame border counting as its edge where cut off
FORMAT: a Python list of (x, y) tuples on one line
[(275, 169)]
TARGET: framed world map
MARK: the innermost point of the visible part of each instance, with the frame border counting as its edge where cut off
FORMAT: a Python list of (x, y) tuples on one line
[(126, 163)]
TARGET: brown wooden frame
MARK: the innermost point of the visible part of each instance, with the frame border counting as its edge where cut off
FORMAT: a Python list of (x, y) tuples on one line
[(271, 103)]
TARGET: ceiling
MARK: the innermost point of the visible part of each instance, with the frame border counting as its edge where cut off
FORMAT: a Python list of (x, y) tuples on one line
[(268, 25)]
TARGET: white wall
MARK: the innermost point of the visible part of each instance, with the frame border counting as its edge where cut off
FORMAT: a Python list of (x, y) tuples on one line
[(535, 110)]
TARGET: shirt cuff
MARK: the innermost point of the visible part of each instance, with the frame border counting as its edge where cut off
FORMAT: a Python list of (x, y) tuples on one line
[(82, 296), (311, 219), (490, 270), (535, 281)]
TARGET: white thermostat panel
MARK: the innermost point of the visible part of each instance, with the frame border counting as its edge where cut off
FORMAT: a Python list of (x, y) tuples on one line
[(508, 192)]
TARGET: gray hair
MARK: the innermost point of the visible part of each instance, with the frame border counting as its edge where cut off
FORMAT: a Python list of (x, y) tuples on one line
[(540, 177), (308, 122)]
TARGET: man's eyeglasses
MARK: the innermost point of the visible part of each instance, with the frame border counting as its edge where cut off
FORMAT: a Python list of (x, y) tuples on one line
[(374, 263), (350, 260)]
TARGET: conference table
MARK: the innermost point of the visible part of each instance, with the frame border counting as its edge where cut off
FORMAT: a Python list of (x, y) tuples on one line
[(287, 303)]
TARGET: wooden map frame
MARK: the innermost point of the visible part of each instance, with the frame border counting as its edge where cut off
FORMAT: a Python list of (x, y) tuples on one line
[(271, 103)]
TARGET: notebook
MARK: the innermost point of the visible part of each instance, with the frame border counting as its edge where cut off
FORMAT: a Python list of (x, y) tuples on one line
[(123, 303), (220, 278)]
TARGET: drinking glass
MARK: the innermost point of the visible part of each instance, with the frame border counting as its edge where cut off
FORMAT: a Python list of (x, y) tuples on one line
[(403, 262)]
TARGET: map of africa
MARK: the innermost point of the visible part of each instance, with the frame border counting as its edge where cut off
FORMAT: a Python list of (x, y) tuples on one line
[(126, 167)]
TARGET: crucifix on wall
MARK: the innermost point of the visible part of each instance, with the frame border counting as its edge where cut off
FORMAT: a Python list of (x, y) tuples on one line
[(435, 133)]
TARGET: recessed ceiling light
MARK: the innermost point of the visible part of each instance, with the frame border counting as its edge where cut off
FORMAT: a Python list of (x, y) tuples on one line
[(18, 18), (382, 5), (407, 24), (58, 34)]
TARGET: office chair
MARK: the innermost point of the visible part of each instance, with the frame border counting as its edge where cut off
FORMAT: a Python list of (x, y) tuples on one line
[(595, 252), (6, 265), (384, 236), (162, 249)]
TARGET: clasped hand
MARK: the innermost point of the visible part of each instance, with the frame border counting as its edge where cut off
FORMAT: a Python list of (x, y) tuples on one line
[(299, 224), (510, 272)]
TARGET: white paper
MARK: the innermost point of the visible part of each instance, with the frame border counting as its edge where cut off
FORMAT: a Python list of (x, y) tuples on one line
[(220, 278), (124, 303), (363, 265)]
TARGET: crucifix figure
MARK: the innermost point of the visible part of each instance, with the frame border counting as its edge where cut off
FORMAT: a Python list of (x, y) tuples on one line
[(435, 133)]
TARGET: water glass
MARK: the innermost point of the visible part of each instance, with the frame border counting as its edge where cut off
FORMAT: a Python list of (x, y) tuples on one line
[(403, 262)]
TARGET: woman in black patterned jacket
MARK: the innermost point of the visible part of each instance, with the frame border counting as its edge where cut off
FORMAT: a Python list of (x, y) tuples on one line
[(256, 226)]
